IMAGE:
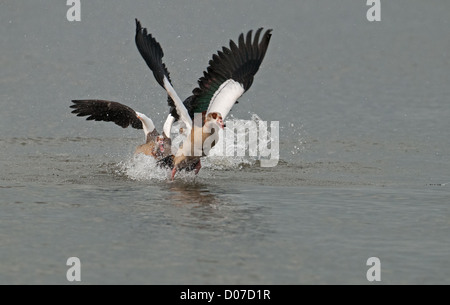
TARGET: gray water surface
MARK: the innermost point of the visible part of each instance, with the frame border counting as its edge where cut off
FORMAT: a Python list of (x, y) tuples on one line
[(364, 170)]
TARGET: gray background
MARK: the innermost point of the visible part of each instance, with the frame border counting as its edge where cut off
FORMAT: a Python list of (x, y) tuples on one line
[(364, 171)]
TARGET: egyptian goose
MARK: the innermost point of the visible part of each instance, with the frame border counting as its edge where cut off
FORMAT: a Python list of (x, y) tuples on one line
[(230, 73)]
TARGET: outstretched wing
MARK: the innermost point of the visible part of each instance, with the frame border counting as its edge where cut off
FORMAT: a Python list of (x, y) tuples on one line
[(152, 53), (230, 73), (100, 110)]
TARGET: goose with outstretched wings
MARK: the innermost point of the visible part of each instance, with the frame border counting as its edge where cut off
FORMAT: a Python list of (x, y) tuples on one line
[(230, 73)]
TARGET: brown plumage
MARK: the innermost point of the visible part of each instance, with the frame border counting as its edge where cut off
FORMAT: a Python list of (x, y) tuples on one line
[(190, 152)]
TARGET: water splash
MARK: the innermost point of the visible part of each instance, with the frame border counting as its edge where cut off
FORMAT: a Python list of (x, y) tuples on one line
[(294, 140), (141, 168), (144, 168)]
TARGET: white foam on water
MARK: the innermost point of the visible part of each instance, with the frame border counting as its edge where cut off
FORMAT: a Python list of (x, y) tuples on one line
[(143, 168)]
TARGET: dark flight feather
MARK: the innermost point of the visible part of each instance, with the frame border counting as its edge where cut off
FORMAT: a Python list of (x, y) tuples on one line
[(108, 111), (151, 51), (240, 62)]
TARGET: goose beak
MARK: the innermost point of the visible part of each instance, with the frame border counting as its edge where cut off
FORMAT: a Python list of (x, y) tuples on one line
[(160, 143), (221, 123)]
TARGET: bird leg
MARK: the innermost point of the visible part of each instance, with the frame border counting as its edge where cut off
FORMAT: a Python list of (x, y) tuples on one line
[(174, 171), (198, 167)]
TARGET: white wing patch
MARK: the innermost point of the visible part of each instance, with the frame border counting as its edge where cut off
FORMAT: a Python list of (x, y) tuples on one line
[(168, 125), (147, 123), (225, 97), (181, 110)]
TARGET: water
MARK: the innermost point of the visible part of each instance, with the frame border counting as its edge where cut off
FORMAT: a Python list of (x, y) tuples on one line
[(364, 170)]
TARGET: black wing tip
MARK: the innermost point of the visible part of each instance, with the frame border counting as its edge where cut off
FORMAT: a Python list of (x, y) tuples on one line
[(138, 25), (152, 53), (262, 29), (76, 105), (267, 33), (240, 62), (140, 30), (77, 102)]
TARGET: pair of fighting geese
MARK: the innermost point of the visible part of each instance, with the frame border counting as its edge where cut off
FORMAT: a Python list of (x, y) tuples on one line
[(229, 75)]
